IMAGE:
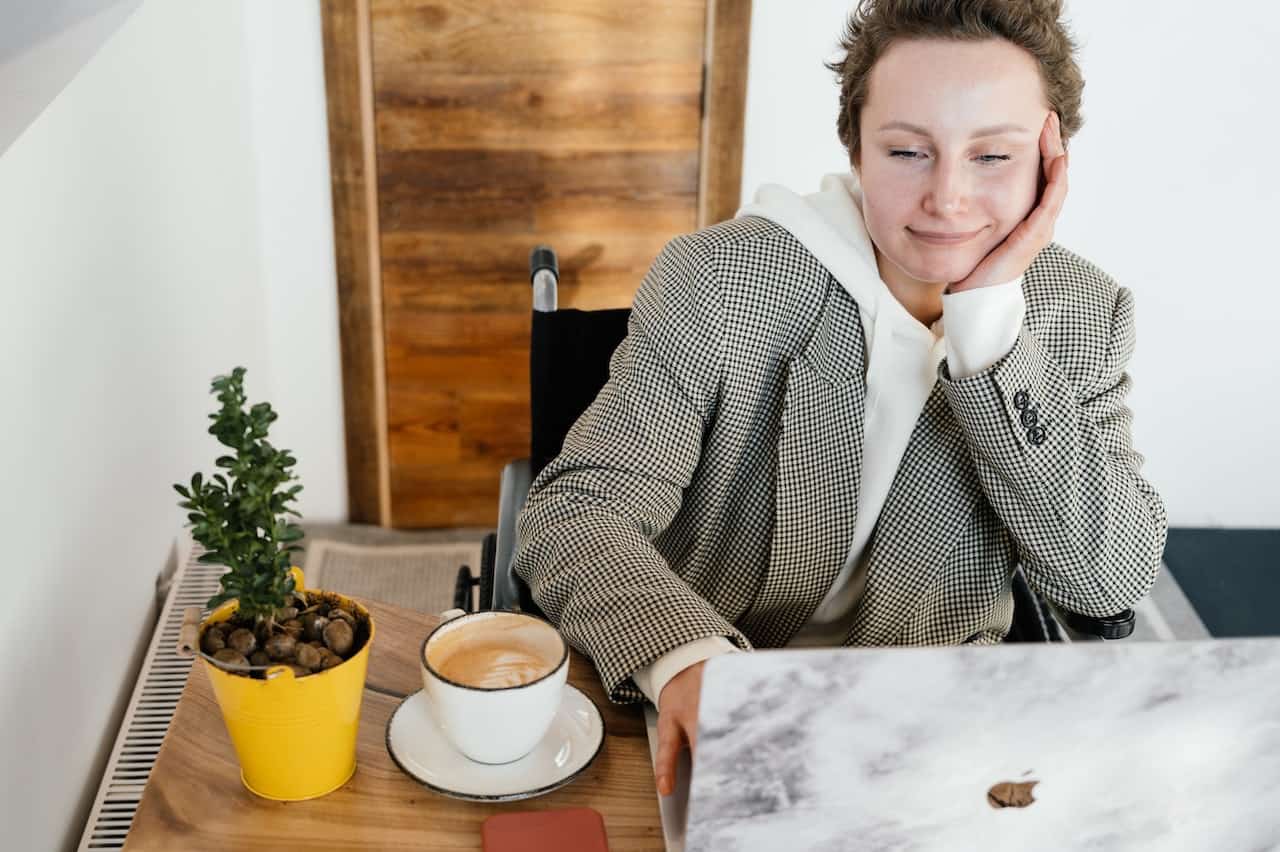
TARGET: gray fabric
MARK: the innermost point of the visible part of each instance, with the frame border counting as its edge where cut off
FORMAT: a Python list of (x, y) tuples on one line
[(711, 488), (416, 576)]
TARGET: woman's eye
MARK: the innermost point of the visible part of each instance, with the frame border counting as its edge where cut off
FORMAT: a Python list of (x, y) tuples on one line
[(987, 159)]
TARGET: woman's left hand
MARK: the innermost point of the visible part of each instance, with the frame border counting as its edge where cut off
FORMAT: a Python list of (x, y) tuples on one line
[(1012, 257)]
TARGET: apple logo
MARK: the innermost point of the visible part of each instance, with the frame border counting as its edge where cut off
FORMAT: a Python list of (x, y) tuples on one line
[(1011, 794)]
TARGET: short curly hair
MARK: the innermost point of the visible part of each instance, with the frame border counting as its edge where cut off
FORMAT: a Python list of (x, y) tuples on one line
[(1033, 25)]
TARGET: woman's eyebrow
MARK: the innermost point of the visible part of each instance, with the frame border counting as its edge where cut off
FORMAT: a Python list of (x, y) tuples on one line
[(993, 130)]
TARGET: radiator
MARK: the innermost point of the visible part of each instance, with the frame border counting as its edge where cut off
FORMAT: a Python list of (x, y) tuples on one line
[(152, 705)]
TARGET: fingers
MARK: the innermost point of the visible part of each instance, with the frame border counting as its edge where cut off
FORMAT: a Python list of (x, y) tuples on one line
[(1040, 222), (1055, 194), (1051, 146), (670, 740)]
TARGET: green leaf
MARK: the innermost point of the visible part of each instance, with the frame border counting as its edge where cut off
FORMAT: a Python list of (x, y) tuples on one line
[(181, 490)]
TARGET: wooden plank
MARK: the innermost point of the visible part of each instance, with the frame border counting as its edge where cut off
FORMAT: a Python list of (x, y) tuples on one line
[(348, 85), (194, 798), (536, 36), (468, 190), (599, 267), (728, 39), (591, 110), (453, 491)]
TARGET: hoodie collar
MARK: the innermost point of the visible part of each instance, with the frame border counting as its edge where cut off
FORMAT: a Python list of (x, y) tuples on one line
[(829, 223)]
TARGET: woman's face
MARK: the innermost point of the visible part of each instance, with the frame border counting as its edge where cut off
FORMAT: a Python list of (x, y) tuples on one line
[(968, 164)]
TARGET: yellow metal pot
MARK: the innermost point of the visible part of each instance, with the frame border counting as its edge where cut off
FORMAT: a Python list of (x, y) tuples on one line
[(295, 737)]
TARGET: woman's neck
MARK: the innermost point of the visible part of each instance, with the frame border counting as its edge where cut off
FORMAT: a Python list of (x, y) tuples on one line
[(922, 299)]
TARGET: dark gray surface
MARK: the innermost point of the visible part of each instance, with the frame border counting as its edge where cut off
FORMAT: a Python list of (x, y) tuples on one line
[(1231, 577)]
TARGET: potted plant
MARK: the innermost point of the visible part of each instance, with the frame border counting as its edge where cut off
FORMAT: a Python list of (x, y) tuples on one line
[(287, 664)]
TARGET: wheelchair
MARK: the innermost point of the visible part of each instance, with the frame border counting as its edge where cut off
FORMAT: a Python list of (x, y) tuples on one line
[(568, 364)]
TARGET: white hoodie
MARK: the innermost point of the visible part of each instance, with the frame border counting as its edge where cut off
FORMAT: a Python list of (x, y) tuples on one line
[(901, 369)]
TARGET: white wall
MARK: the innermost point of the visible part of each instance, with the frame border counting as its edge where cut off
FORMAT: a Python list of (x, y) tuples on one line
[(1173, 192), (43, 43), (163, 220)]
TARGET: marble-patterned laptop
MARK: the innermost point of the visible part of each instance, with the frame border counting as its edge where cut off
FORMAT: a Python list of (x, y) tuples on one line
[(1145, 745)]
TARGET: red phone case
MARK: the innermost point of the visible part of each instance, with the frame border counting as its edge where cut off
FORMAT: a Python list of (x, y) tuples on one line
[(563, 830)]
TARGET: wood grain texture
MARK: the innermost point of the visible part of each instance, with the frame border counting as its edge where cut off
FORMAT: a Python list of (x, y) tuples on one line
[(728, 40), (573, 123), (194, 798), (348, 85), (576, 123)]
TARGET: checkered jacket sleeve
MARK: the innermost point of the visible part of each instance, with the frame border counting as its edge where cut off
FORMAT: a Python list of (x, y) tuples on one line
[(1057, 463), (585, 537)]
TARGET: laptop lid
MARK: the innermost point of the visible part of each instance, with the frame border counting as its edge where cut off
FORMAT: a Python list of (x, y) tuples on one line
[(1145, 745)]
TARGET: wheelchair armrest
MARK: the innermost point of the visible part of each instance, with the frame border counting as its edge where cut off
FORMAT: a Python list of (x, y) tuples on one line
[(1083, 628), (517, 476)]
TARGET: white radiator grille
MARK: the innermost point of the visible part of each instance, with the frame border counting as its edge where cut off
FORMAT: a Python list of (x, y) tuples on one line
[(151, 708)]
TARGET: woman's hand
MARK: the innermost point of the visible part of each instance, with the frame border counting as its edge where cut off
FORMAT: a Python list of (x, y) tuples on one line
[(1012, 257), (677, 723)]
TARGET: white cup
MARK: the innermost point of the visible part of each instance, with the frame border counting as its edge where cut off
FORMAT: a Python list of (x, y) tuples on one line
[(496, 724)]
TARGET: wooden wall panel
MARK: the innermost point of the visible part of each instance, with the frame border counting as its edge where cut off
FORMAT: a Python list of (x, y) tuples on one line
[(464, 132), (500, 126)]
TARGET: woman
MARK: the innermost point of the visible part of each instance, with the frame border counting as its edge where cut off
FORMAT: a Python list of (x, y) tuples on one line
[(845, 418)]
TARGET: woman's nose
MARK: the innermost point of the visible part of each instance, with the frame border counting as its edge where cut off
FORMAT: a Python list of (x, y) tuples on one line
[(949, 189)]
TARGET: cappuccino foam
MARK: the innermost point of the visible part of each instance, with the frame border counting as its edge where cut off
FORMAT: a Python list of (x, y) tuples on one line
[(495, 653)]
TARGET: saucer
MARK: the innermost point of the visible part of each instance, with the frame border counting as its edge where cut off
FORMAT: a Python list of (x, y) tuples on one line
[(570, 745)]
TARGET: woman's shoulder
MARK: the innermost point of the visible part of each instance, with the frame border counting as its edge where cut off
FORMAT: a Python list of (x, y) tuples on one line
[(754, 264), (1082, 315), (1061, 281), (736, 236)]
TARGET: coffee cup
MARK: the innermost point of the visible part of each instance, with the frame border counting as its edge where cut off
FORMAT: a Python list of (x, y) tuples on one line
[(494, 680)]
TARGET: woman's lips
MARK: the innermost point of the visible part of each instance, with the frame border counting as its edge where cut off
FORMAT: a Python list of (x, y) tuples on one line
[(939, 238)]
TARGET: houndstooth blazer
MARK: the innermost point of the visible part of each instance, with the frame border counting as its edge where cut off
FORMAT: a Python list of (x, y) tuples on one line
[(712, 487)]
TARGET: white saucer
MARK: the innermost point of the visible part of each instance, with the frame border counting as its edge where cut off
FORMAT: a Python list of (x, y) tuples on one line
[(421, 751)]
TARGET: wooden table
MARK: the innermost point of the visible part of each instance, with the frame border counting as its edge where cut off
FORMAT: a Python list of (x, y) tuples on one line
[(195, 800)]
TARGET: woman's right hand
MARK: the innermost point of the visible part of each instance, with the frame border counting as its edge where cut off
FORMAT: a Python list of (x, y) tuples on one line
[(677, 723)]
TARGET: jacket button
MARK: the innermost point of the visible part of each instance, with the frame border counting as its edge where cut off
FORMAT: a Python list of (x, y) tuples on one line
[(1029, 417), (1020, 400), (1036, 435)]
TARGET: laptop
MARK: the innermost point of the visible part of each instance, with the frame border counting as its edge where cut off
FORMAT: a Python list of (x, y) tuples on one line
[(1103, 745)]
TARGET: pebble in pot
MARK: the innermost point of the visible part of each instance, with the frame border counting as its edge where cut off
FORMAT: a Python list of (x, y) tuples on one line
[(213, 641), (281, 646), (308, 657), (339, 637), (230, 656), (243, 641), (313, 625)]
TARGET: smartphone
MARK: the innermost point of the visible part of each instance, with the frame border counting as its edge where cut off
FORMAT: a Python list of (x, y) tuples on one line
[(562, 830)]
